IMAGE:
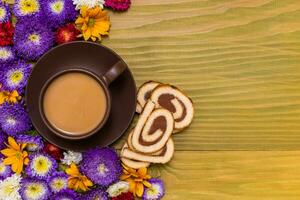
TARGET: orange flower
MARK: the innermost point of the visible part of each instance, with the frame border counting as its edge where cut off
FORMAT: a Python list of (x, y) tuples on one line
[(77, 181), (15, 156), (93, 23), (10, 97), (137, 179)]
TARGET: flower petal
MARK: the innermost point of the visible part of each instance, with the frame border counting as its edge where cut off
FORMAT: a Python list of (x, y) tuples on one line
[(8, 152), (124, 176), (12, 142), (139, 189), (10, 160), (142, 171), (147, 184)]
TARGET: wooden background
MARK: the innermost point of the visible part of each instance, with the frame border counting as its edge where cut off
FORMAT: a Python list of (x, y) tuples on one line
[(239, 61)]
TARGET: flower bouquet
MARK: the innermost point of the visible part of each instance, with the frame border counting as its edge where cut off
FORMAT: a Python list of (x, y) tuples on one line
[(30, 167)]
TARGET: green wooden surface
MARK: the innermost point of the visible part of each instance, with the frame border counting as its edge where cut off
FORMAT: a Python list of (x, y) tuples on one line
[(239, 61)]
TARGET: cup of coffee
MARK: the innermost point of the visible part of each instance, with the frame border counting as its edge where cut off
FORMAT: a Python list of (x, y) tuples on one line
[(76, 103)]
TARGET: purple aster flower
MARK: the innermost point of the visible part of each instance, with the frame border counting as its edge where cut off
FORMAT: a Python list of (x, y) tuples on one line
[(65, 195), (40, 166), (4, 12), (7, 55), (156, 191), (32, 39), (3, 138), (59, 12), (97, 193), (15, 77), (34, 142), (23, 9), (101, 165), (5, 170), (58, 182), (14, 119), (34, 189)]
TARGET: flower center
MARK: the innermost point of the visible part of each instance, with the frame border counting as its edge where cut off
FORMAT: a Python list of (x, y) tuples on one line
[(8, 189), (152, 192), (66, 35), (18, 155), (16, 76), (58, 184), (57, 6), (35, 38), (2, 13), (11, 121), (102, 169), (4, 54), (41, 166), (34, 191), (29, 6), (91, 22)]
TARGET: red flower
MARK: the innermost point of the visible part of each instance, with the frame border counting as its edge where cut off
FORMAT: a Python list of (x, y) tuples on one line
[(119, 5), (6, 33), (66, 33), (53, 151), (124, 196)]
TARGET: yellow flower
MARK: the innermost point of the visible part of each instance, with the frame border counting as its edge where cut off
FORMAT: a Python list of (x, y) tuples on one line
[(77, 181), (137, 179), (10, 97), (15, 156), (93, 23)]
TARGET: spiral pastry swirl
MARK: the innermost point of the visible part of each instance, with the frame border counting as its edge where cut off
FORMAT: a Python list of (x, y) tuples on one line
[(153, 129)]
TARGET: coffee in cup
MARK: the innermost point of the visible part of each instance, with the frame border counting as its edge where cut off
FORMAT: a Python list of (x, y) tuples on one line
[(76, 103)]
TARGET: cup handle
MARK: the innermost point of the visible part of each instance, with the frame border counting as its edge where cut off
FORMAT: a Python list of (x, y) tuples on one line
[(114, 72)]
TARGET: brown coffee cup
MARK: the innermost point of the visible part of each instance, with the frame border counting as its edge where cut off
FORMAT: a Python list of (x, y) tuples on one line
[(104, 81)]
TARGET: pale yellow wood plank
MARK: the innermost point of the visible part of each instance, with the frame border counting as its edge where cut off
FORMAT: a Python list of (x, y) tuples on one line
[(247, 175), (237, 59)]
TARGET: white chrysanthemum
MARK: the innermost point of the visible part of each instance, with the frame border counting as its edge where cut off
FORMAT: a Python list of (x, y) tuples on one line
[(88, 3), (9, 188), (118, 188), (71, 157)]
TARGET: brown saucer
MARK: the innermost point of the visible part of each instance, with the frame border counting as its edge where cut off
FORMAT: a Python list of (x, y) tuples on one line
[(97, 59)]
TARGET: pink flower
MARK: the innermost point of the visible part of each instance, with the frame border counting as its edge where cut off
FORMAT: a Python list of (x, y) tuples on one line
[(119, 5)]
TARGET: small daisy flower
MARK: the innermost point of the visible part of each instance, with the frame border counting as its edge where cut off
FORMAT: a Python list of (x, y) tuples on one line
[(88, 3), (14, 119), (5, 170), (4, 12), (58, 182), (7, 54), (32, 39), (156, 191), (118, 188), (101, 165), (71, 157), (97, 193), (9, 188), (65, 195), (34, 143), (27, 8), (59, 12), (15, 76), (40, 166), (34, 189)]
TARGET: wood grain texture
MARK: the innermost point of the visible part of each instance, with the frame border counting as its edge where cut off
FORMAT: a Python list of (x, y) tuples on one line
[(247, 175), (237, 59)]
